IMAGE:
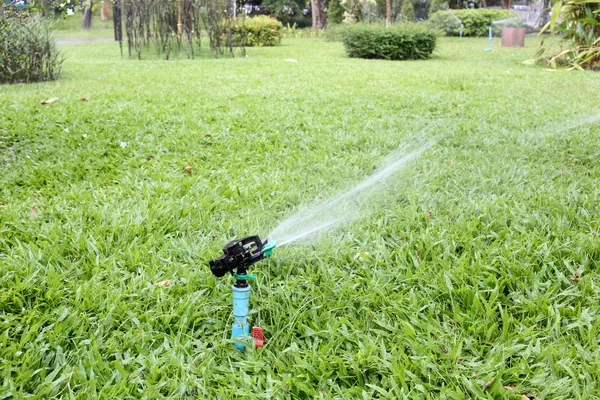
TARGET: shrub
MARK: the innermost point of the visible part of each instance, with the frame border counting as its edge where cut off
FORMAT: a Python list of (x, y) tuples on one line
[(580, 26), (407, 41), (260, 31), (476, 21), (27, 51)]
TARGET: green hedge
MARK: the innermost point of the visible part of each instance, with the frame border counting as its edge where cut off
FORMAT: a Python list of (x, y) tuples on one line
[(260, 31), (476, 21), (398, 42), (27, 51)]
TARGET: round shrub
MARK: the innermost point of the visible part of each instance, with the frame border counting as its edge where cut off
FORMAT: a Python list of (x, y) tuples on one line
[(27, 51), (407, 41), (476, 21), (260, 31)]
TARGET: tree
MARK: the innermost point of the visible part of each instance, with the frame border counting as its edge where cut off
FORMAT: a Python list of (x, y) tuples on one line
[(319, 15), (408, 11), (335, 12), (388, 12), (87, 16), (543, 18)]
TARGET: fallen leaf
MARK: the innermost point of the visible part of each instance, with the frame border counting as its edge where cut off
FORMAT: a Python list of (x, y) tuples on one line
[(429, 213), (188, 170), (50, 101), (82, 99), (487, 385), (474, 374), (32, 210), (37, 196), (58, 84), (508, 388), (450, 162), (150, 158), (576, 277), (525, 398), (163, 283), (139, 270), (291, 60), (2, 206)]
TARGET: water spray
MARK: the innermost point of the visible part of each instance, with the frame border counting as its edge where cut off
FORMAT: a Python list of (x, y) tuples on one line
[(462, 26), (238, 256)]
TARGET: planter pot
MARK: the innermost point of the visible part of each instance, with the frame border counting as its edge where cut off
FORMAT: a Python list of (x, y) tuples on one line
[(512, 37)]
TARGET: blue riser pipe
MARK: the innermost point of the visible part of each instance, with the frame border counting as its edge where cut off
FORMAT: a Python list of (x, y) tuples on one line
[(240, 329)]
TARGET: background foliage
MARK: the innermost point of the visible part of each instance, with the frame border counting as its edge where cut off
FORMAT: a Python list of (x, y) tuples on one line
[(28, 52), (580, 27), (476, 21)]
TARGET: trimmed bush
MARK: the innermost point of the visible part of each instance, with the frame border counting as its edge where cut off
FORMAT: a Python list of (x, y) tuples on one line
[(407, 41), (27, 51), (261, 31), (476, 21)]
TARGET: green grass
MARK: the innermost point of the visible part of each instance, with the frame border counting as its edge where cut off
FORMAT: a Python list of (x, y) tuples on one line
[(71, 27), (480, 289)]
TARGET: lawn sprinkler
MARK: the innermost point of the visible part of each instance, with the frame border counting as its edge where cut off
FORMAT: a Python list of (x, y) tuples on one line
[(490, 30), (238, 256)]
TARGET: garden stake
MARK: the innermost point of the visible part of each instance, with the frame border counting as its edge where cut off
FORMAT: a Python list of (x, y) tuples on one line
[(238, 256)]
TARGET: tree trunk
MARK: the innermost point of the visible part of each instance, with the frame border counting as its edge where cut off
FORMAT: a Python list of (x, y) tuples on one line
[(87, 16), (117, 21), (388, 12), (543, 14), (319, 16)]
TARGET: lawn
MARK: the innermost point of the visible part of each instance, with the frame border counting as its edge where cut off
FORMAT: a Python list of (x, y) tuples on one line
[(482, 279)]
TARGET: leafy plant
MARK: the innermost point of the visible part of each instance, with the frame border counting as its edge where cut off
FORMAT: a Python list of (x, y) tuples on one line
[(260, 31), (28, 52), (407, 41), (335, 12), (580, 26), (476, 21)]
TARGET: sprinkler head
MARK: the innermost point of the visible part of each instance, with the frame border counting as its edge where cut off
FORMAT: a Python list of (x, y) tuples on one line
[(240, 254)]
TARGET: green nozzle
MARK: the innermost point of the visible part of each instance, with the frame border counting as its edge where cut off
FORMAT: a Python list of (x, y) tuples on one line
[(267, 250)]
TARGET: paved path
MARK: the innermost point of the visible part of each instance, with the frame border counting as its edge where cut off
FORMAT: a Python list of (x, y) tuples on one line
[(81, 40)]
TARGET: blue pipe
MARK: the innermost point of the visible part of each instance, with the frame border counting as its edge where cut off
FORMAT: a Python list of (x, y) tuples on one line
[(240, 330), (490, 48)]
